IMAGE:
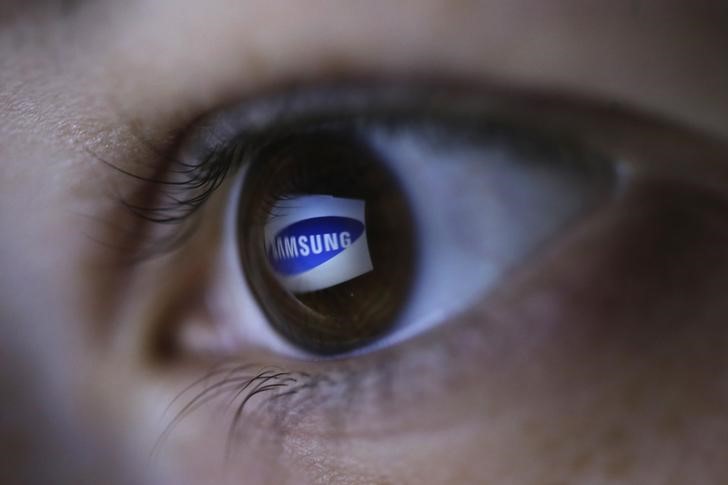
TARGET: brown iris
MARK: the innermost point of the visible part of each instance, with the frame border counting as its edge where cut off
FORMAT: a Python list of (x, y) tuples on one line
[(348, 315)]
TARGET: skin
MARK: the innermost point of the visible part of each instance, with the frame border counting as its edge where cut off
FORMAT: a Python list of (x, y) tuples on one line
[(598, 360)]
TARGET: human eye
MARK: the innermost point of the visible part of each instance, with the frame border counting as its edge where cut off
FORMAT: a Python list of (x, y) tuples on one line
[(357, 216), (363, 215), (351, 223)]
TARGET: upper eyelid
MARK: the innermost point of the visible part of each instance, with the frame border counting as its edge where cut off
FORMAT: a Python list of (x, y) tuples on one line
[(560, 112), (344, 100)]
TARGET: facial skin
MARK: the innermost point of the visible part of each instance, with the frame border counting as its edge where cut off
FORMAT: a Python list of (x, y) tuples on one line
[(598, 360)]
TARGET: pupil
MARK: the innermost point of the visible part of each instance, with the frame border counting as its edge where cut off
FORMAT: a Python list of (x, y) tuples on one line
[(326, 240)]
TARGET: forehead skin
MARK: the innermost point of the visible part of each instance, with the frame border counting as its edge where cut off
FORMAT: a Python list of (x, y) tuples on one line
[(657, 55), (68, 69), (665, 56)]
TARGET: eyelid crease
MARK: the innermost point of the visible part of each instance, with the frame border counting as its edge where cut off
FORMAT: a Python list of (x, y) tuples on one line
[(337, 101)]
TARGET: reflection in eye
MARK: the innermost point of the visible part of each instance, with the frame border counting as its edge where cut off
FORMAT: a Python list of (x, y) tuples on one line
[(331, 268), (358, 231)]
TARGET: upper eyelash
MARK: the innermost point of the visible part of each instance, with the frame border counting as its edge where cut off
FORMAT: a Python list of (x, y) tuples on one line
[(180, 199), (176, 196), (198, 182)]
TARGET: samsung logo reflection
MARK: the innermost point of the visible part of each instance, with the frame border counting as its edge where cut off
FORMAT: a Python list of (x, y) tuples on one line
[(308, 243), (316, 241)]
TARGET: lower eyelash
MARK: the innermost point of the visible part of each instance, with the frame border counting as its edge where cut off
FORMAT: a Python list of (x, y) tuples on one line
[(274, 400), (280, 392)]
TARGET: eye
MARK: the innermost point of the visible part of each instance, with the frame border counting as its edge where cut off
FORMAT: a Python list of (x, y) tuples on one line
[(360, 221)]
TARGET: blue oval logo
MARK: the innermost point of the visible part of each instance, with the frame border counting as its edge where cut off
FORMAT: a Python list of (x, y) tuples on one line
[(309, 243)]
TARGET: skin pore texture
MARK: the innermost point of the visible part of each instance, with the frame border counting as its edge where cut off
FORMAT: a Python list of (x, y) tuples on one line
[(600, 359)]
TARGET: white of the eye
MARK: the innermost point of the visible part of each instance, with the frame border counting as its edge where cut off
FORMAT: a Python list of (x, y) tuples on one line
[(478, 212)]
